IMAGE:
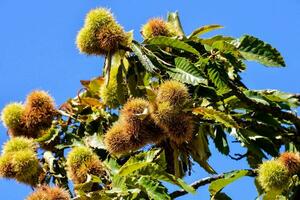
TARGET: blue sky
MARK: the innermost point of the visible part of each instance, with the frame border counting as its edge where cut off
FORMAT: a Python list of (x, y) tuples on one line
[(38, 52)]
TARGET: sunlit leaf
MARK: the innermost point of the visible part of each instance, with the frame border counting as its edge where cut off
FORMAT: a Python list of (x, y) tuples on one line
[(89, 101), (210, 41), (88, 184), (204, 29), (95, 84), (255, 49), (154, 189), (291, 100), (172, 42), (218, 116), (137, 162), (186, 72), (146, 62), (228, 178)]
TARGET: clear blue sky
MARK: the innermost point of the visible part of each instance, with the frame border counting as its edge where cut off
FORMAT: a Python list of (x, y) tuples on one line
[(38, 52)]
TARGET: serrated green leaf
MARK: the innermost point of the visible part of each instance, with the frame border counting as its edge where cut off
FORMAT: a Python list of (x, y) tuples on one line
[(154, 189), (200, 151), (120, 86), (137, 162), (223, 45), (178, 181), (88, 184), (132, 81), (291, 100), (220, 140), (134, 193), (209, 42), (233, 60), (226, 47), (130, 168), (112, 165), (255, 96), (230, 177), (218, 77), (255, 49), (186, 72), (204, 29), (157, 172), (216, 115), (146, 62), (119, 182), (172, 42)]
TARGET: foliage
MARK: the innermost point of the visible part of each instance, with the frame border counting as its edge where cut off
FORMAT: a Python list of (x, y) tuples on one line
[(149, 118)]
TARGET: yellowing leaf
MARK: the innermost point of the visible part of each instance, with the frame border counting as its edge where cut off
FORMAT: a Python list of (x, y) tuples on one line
[(218, 116), (91, 102)]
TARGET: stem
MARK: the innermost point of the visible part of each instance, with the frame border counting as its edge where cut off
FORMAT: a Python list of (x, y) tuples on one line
[(107, 67), (205, 181)]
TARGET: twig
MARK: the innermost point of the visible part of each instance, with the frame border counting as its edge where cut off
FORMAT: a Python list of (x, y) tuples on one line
[(238, 156), (205, 181), (107, 67)]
